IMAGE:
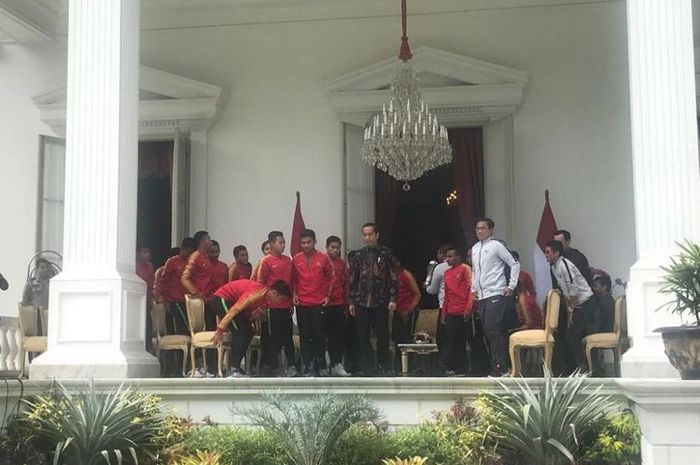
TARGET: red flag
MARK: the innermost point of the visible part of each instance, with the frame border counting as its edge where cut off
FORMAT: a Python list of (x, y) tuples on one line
[(297, 228), (548, 226)]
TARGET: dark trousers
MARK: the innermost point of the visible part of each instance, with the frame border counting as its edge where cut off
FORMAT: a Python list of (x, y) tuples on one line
[(376, 319), (241, 335), (335, 332), (402, 333), (577, 331), (454, 353), (277, 334), (478, 356), (491, 312), (312, 335), (352, 348)]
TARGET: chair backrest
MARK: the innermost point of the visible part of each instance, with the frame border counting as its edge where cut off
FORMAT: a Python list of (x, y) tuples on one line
[(195, 313), (158, 317), (552, 316), (427, 321), (28, 320), (620, 327)]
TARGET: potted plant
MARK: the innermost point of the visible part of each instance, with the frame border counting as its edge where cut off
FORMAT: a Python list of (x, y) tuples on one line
[(682, 282)]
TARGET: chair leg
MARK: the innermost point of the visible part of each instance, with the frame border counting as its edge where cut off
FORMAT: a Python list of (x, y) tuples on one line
[(548, 350), (185, 356), (22, 362), (193, 351), (404, 363), (219, 361), (514, 360), (589, 358)]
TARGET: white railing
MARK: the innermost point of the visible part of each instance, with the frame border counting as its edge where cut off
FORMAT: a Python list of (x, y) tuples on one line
[(10, 343)]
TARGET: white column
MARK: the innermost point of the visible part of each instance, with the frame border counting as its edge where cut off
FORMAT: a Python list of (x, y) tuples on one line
[(97, 316), (665, 159), (199, 160)]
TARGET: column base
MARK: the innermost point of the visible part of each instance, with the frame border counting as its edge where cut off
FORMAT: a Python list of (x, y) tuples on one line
[(646, 358), (114, 365), (97, 324)]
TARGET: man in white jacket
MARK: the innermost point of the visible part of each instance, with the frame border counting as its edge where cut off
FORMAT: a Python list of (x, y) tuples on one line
[(493, 290)]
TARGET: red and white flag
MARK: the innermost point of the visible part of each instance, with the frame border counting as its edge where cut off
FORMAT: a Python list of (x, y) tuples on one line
[(297, 228), (548, 226)]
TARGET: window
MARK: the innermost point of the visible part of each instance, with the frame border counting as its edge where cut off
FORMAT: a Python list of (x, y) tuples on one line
[(52, 176)]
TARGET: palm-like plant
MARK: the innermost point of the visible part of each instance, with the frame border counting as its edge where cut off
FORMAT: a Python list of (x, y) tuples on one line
[(90, 428), (545, 426), (307, 431), (682, 281)]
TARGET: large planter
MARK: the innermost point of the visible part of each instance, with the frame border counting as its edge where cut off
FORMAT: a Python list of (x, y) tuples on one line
[(682, 345)]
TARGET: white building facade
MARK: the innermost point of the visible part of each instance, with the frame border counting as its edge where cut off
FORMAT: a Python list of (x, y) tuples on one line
[(595, 101)]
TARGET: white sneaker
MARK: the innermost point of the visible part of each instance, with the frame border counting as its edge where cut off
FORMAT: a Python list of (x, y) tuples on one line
[(339, 370), (233, 373), (292, 371), (196, 373), (200, 373)]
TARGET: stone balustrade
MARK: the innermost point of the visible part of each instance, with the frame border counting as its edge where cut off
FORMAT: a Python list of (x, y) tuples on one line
[(10, 343)]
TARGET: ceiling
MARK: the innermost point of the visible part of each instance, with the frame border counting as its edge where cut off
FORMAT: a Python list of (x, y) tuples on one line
[(31, 21)]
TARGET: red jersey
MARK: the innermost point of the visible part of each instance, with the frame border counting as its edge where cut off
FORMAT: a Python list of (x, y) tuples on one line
[(219, 274), (236, 272), (409, 294), (242, 295), (459, 300), (197, 276), (339, 283), (145, 271), (168, 286), (273, 268), (312, 278)]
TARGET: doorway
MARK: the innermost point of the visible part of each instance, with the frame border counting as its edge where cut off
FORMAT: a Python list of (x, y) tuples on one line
[(154, 216), (440, 207)]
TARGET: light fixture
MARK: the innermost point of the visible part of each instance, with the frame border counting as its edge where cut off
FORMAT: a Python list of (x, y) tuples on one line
[(405, 140)]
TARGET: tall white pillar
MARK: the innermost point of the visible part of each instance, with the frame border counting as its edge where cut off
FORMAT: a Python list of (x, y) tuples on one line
[(666, 172), (97, 304)]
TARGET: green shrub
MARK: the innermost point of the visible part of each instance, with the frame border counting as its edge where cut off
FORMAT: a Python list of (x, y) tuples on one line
[(547, 424), (308, 430), (618, 441), (236, 445), (361, 445), (438, 442), (90, 428)]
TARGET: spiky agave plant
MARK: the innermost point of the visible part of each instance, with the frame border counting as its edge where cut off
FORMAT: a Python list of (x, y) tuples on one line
[(545, 424), (91, 428), (308, 430), (411, 461)]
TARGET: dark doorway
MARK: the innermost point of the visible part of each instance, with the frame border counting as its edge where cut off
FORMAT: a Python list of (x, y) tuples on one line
[(414, 223), (154, 220)]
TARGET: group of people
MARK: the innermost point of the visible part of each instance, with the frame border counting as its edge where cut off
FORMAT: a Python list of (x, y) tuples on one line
[(483, 296)]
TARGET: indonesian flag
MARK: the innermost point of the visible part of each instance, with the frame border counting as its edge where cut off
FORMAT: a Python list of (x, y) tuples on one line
[(297, 228), (548, 226)]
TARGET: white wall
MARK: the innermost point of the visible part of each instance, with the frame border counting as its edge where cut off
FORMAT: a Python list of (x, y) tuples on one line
[(24, 71), (277, 133)]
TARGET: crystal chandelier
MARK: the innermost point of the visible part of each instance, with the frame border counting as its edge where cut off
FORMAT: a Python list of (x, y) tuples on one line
[(405, 140)]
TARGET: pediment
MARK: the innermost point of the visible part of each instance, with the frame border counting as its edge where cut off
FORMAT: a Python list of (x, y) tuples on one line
[(462, 90), (167, 102)]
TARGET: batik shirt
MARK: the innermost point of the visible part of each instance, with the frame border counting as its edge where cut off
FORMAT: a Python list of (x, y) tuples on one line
[(372, 283)]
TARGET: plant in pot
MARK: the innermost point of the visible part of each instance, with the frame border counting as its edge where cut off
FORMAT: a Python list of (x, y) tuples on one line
[(682, 282)]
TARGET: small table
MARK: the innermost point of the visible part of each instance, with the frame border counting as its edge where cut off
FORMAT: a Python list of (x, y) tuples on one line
[(416, 348)]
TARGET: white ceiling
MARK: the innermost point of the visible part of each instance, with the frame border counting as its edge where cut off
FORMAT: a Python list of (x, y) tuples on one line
[(49, 17)]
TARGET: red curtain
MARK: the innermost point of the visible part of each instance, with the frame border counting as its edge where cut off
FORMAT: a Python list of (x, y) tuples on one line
[(468, 169)]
